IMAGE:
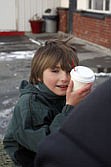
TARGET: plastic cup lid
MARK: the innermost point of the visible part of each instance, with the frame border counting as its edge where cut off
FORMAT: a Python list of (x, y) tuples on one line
[(83, 74)]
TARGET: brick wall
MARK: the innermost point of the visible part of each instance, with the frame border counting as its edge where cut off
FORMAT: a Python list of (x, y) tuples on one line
[(95, 28), (63, 19)]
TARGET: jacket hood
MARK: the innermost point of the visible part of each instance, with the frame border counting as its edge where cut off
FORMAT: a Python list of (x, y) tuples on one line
[(26, 87)]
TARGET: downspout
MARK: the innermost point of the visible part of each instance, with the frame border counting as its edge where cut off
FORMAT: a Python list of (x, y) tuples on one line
[(72, 9)]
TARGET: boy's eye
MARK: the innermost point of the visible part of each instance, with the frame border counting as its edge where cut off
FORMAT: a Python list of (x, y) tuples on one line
[(55, 70), (68, 72)]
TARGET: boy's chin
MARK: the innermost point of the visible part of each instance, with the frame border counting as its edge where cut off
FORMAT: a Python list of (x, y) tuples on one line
[(60, 94)]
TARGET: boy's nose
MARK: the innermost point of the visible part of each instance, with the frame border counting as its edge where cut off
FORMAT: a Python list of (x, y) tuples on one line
[(65, 76)]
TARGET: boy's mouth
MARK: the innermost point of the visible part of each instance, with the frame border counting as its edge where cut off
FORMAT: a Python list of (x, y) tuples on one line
[(62, 86)]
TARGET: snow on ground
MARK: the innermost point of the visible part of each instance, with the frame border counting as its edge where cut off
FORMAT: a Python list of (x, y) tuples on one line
[(6, 113), (16, 55)]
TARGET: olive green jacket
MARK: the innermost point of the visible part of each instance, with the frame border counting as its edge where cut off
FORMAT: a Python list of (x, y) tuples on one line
[(37, 113)]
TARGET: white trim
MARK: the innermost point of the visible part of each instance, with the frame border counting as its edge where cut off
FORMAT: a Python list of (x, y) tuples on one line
[(98, 11)]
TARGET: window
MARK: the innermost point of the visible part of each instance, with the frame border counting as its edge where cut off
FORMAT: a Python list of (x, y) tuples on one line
[(107, 3), (100, 5)]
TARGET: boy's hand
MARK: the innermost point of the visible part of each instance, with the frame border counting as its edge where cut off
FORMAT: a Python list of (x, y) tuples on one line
[(74, 97)]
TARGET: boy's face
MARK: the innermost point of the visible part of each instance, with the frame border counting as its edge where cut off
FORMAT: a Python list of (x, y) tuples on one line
[(56, 80)]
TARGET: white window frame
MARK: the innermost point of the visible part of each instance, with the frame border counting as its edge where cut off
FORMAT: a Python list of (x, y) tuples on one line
[(99, 11)]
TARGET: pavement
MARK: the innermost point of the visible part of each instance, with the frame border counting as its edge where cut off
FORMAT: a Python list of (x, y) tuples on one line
[(12, 71), (16, 43)]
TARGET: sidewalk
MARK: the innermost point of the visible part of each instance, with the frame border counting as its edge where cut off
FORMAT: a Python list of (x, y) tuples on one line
[(5, 160)]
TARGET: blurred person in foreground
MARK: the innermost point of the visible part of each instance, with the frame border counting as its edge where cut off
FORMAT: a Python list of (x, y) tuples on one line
[(84, 139)]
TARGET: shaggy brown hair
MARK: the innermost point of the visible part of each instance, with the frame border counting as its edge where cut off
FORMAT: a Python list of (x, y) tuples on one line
[(49, 55)]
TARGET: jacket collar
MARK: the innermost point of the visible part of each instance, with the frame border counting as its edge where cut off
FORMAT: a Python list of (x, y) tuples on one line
[(44, 90)]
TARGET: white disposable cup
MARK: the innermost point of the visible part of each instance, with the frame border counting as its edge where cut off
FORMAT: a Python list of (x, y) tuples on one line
[(81, 76)]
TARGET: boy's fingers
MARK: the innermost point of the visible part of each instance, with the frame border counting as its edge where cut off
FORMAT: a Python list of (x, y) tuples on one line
[(70, 86), (85, 88)]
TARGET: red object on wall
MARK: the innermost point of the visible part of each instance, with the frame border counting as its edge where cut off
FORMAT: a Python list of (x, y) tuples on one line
[(36, 26)]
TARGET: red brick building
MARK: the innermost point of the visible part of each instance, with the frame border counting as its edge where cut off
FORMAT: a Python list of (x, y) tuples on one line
[(89, 25)]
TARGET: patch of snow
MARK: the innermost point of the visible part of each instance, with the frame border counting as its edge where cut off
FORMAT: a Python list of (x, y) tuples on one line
[(16, 55), (102, 74)]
